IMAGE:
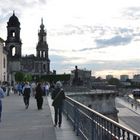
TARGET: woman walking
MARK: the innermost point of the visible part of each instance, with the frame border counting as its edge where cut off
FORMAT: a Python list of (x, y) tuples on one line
[(39, 96), (58, 97)]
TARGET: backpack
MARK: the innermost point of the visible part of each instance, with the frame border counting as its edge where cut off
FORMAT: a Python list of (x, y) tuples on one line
[(26, 92)]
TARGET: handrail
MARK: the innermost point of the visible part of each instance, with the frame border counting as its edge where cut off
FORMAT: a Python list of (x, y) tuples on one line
[(109, 129)]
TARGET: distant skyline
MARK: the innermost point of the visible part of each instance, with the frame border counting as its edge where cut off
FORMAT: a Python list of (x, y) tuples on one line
[(101, 36)]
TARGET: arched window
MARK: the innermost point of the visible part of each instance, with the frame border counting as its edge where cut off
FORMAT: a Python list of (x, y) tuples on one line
[(43, 54), (44, 38), (44, 67), (4, 63), (40, 54), (13, 33), (4, 78), (13, 51)]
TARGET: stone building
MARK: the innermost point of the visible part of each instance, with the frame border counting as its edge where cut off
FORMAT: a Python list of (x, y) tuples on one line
[(136, 78), (124, 78), (31, 64), (3, 62)]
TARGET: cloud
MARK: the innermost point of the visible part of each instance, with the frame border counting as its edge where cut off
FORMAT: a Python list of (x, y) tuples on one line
[(67, 30), (58, 50), (116, 65), (83, 49), (79, 40), (114, 41), (19, 6), (70, 29), (95, 65), (131, 13), (63, 59), (116, 68), (98, 36), (63, 64), (56, 58)]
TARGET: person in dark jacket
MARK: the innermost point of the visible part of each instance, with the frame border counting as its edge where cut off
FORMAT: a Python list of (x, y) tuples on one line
[(58, 97), (39, 96), (1, 96), (26, 94)]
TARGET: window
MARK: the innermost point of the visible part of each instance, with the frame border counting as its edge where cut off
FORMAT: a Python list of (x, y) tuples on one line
[(13, 33), (44, 38), (4, 78), (4, 65), (44, 67), (13, 51), (40, 54), (44, 54)]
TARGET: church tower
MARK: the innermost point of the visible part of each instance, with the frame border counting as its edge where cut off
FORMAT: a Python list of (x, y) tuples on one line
[(42, 50), (13, 47), (13, 42)]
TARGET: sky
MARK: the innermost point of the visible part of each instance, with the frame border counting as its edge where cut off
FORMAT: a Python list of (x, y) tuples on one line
[(98, 35)]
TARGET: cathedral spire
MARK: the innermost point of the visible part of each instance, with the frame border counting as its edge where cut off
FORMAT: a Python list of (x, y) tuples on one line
[(13, 12), (42, 46), (41, 20), (42, 25)]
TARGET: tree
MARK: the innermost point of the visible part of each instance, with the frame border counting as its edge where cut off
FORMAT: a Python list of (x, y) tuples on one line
[(28, 77), (19, 76), (114, 81), (52, 78)]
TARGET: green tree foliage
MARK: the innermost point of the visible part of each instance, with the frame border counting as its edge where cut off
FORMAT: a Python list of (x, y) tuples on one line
[(28, 77), (19, 76), (114, 81), (52, 78)]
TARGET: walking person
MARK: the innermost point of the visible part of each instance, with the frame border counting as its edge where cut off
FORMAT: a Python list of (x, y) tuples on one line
[(1, 96), (33, 87), (39, 96), (26, 94), (47, 88), (58, 97)]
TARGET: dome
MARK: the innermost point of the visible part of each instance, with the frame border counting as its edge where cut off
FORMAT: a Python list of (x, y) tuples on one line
[(13, 21)]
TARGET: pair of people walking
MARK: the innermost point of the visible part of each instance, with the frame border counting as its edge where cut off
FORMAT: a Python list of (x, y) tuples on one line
[(58, 97), (38, 95)]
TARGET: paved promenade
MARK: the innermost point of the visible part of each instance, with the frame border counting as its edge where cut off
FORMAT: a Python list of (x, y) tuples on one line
[(19, 123), (66, 131), (128, 116)]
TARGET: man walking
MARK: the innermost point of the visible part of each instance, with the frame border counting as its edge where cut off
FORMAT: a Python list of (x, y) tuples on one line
[(26, 94)]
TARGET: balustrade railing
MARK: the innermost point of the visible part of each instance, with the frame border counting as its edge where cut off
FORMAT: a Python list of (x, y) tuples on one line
[(91, 125)]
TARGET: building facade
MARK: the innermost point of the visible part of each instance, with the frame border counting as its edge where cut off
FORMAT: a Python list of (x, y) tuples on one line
[(3, 62), (136, 78), (31, 64), (108, 77), (123, 78)]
